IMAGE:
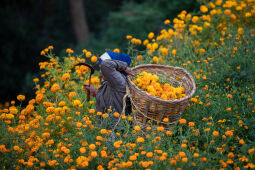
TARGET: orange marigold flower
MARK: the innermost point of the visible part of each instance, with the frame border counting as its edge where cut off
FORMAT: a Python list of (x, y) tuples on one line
[(55, 87), (93, 154), (137, 128), (93, 59), (82, 149), (140, 140), (92, 146), (21, 97), (215, 133), (229, 133), (182, 121), (241, 142), (160, 128), (196, 155), (182, 154)]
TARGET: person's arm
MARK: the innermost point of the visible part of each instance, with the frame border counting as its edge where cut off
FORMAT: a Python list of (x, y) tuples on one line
[(111, 71)]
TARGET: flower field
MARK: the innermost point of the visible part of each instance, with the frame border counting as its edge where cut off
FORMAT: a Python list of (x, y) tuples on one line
[(59, 129)]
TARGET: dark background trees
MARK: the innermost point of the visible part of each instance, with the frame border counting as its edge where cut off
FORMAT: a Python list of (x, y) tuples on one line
[(29, 26)]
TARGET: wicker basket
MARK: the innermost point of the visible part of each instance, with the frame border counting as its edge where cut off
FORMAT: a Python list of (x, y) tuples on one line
[(150, 110)]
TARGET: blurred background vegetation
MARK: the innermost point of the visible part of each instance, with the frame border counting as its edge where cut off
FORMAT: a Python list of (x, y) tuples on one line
[(29, 26)]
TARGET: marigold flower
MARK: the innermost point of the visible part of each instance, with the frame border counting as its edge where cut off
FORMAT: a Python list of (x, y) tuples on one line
[(128, 37), (93, 59), (182, 121), (88, 54), (185, 159), (116, 114), (116, 50), (93, 154), (215, 133), (191, 124), (173, 52), (150, 35), (227, 12), (203, 159), (182, 154), (55, 87), (140, 140), (21, 97), (203, 9), (241, 142), (132, 157), (229, 133), (137, 128), (196, 155), (167, 21), (92, 146), (66, 77)]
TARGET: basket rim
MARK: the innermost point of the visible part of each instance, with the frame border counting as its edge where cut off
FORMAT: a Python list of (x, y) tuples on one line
[(157, 98)]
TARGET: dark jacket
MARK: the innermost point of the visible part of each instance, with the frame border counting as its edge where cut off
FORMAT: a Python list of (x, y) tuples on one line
[(111, 93)]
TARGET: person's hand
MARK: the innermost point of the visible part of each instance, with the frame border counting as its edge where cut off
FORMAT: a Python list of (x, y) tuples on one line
[(89, 89), (129, 71)]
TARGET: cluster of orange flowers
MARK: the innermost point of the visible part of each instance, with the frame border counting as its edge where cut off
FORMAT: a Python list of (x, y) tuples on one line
[(150, 83)]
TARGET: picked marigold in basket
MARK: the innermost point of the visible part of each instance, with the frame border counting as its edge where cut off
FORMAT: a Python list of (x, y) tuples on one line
[(159, 93), (152, 84)]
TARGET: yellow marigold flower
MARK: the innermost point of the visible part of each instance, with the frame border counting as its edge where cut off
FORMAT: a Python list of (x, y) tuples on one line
[(167, 21), (155, 59), (92, 146), (66, 77), (150, 35), (160, 128), (105, 115), (203, 9), (88, 54), (103, 131), (128, 37), (240, 31), (21, 97), (140, 140), (50, 109), (132, 157), (93, 154), (91, 110), (169, 133), (195, 19), (137, 128), (69, 50), (78, 124), (173, 52), (227, 12), (93, 59), (165, 120), (149, 154), (42, 52), (116, 50), (55, 87), (218, 2)]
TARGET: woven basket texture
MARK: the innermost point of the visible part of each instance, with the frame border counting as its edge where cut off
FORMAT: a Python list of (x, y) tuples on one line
[(150, 109)]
